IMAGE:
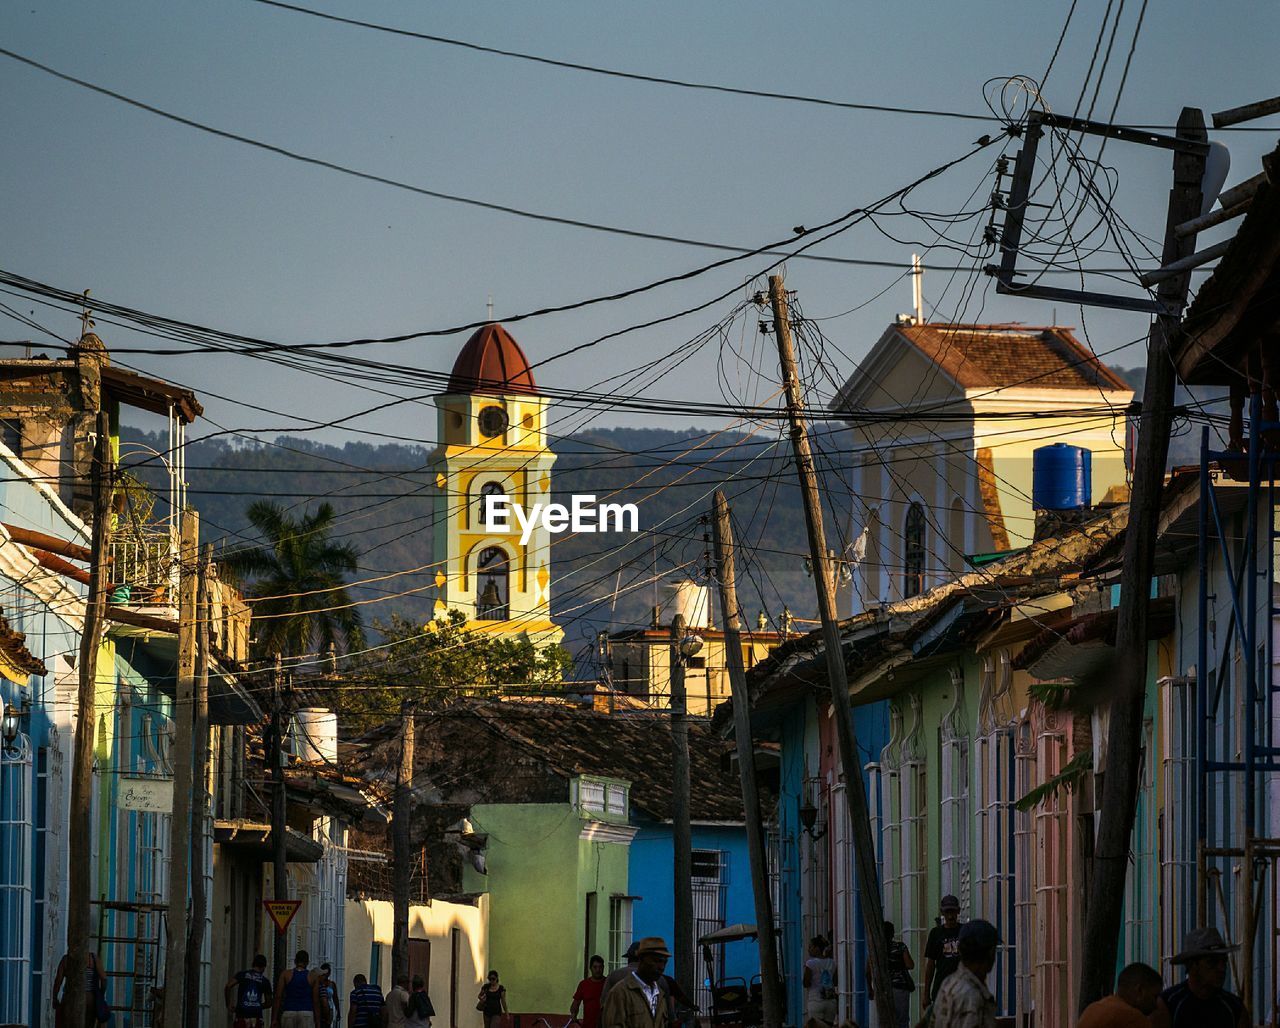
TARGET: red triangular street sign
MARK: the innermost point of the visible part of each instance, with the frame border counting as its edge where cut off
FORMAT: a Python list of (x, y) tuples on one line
[(282, 912)]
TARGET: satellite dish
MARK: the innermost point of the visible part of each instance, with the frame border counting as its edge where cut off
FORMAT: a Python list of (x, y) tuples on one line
[(1216, 166)]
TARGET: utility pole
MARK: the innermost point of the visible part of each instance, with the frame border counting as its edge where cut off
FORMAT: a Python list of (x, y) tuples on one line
[(864, 850), (279, 816), (1129, 678), (401, 846), (180, 826), (81, 827), (681, 830), (770, 971), (200, 792)]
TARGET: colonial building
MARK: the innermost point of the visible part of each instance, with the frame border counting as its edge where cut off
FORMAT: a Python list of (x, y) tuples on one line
[(639, 660), (492, 442), (956, 479)]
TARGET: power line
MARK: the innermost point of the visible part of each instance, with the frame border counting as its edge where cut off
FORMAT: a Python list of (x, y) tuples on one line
[(436, 194), (661, 80)]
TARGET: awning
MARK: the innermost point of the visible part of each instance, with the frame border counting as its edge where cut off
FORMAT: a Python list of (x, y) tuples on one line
[(733, 933), (254, 838), (337, 793), (1085, 646), (230, 703), (1235, 309)]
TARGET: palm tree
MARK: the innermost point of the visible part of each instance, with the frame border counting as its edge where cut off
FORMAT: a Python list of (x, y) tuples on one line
[(299, 577)]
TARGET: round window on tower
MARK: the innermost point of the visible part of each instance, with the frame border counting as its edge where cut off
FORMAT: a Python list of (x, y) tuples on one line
[(493, 421)]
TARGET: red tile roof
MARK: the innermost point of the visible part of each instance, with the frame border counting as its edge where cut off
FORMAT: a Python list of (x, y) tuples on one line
[(1003, 356), (492, 362)]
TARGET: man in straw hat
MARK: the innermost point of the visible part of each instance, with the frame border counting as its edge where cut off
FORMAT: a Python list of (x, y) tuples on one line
[(638, 1001), (1200, 1001)]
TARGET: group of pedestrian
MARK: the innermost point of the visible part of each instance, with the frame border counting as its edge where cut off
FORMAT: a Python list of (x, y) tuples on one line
[(1200, 1000), (959, 957), (308, 998)]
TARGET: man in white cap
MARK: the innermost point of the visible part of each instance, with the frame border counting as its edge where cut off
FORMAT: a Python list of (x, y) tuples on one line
[(1200, 1001)]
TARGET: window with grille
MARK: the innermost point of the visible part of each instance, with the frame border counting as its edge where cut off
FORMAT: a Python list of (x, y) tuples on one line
[(709, 881), (620, 910), (596, 796), (955, 816), (16, 827), (993, 869), (913, 554)]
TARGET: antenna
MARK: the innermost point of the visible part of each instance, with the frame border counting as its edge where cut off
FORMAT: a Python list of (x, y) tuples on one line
[(488, 309), (917, 288)]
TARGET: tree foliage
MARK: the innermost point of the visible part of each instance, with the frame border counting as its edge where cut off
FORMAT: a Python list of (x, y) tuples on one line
[(432, 664), (298, 576)]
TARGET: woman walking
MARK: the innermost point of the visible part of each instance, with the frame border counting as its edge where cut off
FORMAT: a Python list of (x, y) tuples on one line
[(420, 1008), (492, 1001), (900, 968), (819, 986), (96, 1010)]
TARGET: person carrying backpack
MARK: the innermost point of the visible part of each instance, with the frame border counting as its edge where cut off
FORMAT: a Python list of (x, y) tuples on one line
[(900, 967), (819, 985), (420, 1010)]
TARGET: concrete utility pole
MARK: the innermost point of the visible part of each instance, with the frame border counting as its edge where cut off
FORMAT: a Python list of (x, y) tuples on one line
[(681, 830), (175, 958), (864, 851), (774, 1012), (200, 792), (80, 831), (1105, 903), (401, 846), (279, 817)]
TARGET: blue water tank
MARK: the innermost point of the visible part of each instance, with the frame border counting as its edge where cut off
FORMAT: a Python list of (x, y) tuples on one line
[(1060, 477)]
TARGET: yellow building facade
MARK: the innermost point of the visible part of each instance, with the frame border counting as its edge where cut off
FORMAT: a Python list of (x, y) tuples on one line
[(944, 421)]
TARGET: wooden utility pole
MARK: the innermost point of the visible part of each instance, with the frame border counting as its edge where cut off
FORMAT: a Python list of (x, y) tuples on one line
[(864, 850), (770, 970), (402, 846), (200, 791), (1105, 906), (279, 817), (180, 826), (681, 829), (80, 831)]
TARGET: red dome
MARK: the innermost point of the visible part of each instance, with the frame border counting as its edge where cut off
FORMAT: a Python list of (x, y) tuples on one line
[(492, 362)]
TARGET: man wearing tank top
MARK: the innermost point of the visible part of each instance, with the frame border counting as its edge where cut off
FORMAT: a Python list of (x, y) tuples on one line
[(297, 995)]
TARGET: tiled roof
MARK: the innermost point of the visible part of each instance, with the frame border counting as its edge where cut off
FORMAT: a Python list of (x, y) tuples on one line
[(503, 751), (1004, 356), (1039, 569), (633, 746), (479, 751)]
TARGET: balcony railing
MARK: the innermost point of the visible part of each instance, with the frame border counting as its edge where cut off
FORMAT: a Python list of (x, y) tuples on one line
[(144, 572)]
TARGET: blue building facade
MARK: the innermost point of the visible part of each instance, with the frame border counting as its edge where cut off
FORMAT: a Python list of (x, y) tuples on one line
[(721, 893), (816, 892), (41, 615)]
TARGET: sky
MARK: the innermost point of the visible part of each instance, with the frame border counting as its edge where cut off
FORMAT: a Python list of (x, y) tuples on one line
[(160, 217)]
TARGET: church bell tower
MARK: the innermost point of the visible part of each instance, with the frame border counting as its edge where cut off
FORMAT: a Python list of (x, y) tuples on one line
[(491, 432)]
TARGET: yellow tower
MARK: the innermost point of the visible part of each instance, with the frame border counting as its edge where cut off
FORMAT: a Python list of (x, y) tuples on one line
[(492, 442)]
